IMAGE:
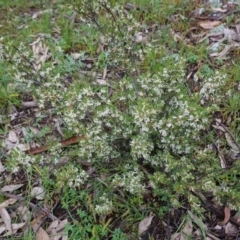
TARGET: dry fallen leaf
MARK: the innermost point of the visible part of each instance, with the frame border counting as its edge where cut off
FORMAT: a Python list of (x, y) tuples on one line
[(231, 229), (8, 202), (144, 224), (238, 30), (16, 226), (2, 168), (24, 212), (35, 42), (209, 24), (188, 228), (41, 234), (232, 143), (56, 229), (37, 14), (40, 51), (76, 56), (237, 216), (62, 225), (34, 130), (12, 137), (11, 188), (52, 227), (9, 145), (61, 162), (104, 73), (38, 193), (101, 82), (2, 229), (140, 37), (178, 236), (57, 124), (23, 147), (230, 34), (31, 104), (7, 220)]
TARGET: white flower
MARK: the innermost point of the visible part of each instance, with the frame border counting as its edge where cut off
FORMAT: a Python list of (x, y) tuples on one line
[(105, 205)]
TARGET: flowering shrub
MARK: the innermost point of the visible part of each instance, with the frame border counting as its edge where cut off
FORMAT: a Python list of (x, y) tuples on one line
[(19, 159), (143, 118)]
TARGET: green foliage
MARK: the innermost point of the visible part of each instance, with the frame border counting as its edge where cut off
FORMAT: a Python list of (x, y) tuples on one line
[(118, 235), (30, 135), (192, 58), (206, 71), (85, 228)]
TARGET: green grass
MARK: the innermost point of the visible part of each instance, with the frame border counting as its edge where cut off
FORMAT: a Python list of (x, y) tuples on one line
[(146, 131)]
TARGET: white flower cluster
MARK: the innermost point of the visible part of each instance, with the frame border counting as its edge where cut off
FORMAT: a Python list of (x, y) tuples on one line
[(20, 159), (141, 147), (96, 148), (55, 152), (105, 205), (131, 180), (209, 186), (211, 87), (73, 176)]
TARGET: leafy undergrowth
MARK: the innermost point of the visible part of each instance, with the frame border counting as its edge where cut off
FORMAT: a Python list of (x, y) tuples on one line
[(119, 120)]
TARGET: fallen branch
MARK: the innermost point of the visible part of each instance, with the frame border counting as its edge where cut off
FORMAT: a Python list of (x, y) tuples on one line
[(64, 143)]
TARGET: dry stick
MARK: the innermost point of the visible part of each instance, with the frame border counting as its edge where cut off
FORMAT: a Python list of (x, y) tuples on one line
[(30, 203), (63, 143)]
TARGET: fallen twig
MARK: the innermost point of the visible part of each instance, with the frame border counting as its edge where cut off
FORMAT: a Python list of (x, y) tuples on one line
[(64, 143)]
